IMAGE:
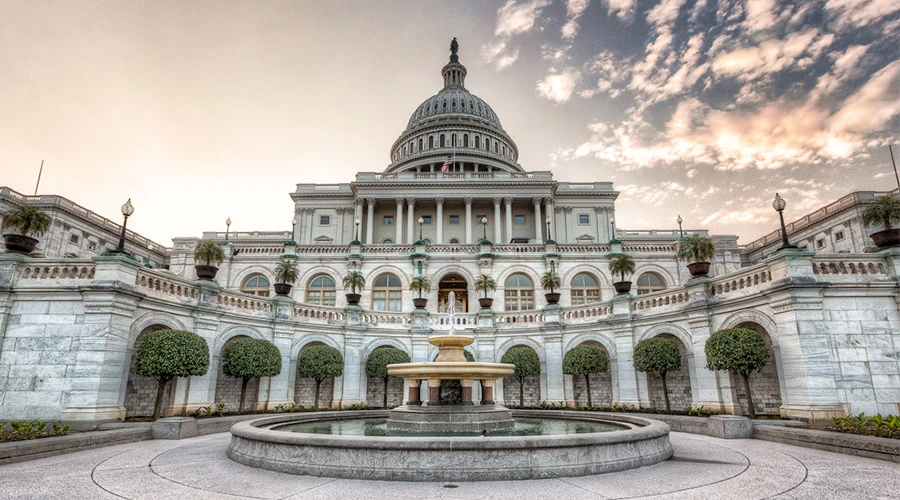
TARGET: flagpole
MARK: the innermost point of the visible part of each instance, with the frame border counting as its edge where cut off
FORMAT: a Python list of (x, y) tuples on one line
[(42, 171), (895, 166)]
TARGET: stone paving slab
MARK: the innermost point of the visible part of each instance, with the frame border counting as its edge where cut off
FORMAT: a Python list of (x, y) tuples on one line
[(703, 467)]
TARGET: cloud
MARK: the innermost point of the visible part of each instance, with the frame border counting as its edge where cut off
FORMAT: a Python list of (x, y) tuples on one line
[(558, 87), (623, 9), (513, 18), (574, 9)]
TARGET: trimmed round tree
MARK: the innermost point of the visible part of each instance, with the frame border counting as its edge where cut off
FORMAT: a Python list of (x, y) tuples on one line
[(586, 360), (320, 362), (246, 358), (657, 355), (527, 364), (737, 350), (166, 354), (376, 365)]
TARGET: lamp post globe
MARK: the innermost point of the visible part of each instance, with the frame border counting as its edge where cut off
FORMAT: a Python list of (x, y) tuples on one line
[(227, 227), (421, 221), (356, 239), (549, 236), (778, 204), (127, 210), (679, 220)]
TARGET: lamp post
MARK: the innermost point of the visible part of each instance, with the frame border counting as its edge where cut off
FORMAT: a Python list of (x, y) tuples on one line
[(679, 220), (779, 205), (293, 242), (227, 227), (421, 221), (127, 210), (484, 229), (549, 236), (612, 222), (356, 239)]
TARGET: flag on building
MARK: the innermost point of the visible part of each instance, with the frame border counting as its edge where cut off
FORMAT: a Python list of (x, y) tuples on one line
[(446, 166)]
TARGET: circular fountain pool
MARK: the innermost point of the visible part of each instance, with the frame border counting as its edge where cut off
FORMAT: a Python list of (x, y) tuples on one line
[(610, 443)]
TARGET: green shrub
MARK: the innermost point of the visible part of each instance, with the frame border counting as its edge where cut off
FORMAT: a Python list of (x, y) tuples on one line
[(320, 362), (376, 365), (738, 350), (884, 212), (878, 426), (286, 271), (27, 220), (621, 264), (657, 355), (209, 251), (586, 360), (696, 248), (246, 358), (21, 431), (166, 354), (527, 365)]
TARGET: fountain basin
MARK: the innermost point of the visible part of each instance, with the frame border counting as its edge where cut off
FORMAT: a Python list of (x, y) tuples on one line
[(255, 444)]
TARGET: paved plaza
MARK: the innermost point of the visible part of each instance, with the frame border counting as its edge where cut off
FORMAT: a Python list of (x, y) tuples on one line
[(702, 468)]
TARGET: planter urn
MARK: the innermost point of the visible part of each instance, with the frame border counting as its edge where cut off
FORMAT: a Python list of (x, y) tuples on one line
[(19, 243), (353, 299), (420, 303), (552, 298), (622, 287), (206, 272), (882, 239), (283, 289), (698, 269), (485, 302)]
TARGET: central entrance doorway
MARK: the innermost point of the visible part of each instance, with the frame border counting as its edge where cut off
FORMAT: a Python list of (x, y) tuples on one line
[(456, 284)]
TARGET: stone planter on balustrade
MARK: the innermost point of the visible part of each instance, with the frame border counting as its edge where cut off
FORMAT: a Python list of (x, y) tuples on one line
[(485, 302), (353, 299), (883, 239), (622, 287), (283, 289), (206, 272), (698, 269), (19, 243), (420, 303)]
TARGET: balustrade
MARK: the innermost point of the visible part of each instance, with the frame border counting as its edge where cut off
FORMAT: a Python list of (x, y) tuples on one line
[(74, 271)]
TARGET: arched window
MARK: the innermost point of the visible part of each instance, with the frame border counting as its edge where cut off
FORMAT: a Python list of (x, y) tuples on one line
[(431, 142), (404, 150), (454, 241), (443, 142), (387, 241), (584, 289), (256, 284), (518, 293), (465, 140), (649, 283), (321, 290), (445, 104), (386, 293), (496, 147), (477, 142), (453, 103), (420, 144)]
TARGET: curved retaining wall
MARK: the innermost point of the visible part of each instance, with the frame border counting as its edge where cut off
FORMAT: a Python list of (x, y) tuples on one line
[(449, 459)]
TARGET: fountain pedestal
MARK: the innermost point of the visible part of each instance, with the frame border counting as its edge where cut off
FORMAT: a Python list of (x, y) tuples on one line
[(450, 364)]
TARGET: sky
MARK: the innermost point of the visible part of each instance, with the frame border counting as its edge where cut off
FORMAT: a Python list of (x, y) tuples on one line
[(204, 110)]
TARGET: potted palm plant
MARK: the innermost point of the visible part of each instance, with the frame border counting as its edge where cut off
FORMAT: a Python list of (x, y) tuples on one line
[(485, 284), (286, 273), (550, 281), (208, 252), (701, 250), (884, 212), (354, 280), (27, 222), (621, 264), (420, 284)]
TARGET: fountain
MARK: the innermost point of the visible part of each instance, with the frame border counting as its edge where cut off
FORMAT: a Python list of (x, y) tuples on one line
[(431, 441)]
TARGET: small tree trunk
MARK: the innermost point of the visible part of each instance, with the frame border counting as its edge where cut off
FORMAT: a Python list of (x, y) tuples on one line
[(385, 392), (662, 375), (243, 393), (318, 383), (746, 377), (587, 380), (521, 392), (161, 384)]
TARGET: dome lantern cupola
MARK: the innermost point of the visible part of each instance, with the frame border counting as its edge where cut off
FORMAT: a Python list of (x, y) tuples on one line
[(454, 72)]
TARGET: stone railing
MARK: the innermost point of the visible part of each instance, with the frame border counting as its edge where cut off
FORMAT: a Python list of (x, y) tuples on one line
[(69, 272), (386, 319), (589, 248), (259, 250), (317, 314), (439, 249), (319, 249), (162, 284), (841, 268), (586, 312), (460, 321), (387, 249), (244, 303), (748, 278), (519, 317), (518, 248), (661, 298), (630, 248)]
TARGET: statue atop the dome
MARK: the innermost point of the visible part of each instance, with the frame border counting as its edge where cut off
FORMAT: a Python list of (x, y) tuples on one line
[(454, 48)]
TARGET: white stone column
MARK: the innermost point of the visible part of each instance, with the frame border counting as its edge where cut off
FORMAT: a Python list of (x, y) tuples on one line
[(498, 233), (555, 377), (410, 220), (548, 212), (281, 386), (370, 221), (468, 201), (353, 379), (509, 231), (625, 372), (311, 212), (439, 235), (538, 234), (398, 221), (600, 215)]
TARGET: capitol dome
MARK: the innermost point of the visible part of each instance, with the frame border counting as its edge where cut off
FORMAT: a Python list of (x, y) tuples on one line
[(454, 124)]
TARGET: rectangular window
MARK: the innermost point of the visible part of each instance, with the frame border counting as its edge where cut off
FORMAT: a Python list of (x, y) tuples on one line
[(839, 236), (454, 220), (73, 238), (388, 220), (519, 219), (583, 219), (92, 245), (426, 220), (820, 243), (324, 220)]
